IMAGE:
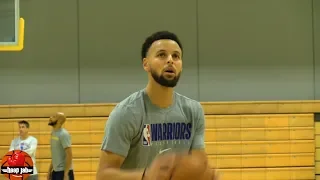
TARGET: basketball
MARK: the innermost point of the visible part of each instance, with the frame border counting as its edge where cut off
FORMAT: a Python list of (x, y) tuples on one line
[(22, 159), (189, 168)]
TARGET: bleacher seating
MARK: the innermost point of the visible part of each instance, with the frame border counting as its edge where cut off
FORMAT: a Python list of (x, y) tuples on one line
[(247, 146)]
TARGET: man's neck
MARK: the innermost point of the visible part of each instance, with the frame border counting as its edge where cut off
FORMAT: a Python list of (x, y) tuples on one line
[(24, 137), (159, 95), (55, 128)]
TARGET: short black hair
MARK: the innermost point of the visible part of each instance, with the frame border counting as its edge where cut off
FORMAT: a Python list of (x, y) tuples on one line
[(158, 36), (25, 123)]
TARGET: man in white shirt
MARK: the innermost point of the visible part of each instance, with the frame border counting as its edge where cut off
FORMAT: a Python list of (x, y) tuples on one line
[(27, 144)]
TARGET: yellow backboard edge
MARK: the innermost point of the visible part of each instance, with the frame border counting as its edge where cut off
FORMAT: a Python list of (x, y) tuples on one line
[(20, 46)]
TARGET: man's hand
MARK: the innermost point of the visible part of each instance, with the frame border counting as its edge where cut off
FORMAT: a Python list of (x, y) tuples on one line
[(216, 174), (49, 175), (210, 174), (66, 176), (162, 167)]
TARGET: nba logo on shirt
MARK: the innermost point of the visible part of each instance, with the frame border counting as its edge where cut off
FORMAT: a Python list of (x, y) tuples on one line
[(146, 139), (21, 146)]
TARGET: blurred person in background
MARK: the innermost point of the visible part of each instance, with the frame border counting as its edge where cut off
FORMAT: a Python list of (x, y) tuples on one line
[(26, 143)]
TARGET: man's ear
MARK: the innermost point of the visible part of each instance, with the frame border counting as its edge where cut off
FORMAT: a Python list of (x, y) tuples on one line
[(145, 64)]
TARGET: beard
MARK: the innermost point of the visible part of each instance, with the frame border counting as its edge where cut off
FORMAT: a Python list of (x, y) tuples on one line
[(52, 123), (160, 79)]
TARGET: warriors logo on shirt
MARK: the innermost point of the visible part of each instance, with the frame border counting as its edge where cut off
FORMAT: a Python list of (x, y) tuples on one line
[(166, 132)]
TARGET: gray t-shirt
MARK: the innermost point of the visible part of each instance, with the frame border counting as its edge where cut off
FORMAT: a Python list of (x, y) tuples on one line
[(60, 140), (139, 131)]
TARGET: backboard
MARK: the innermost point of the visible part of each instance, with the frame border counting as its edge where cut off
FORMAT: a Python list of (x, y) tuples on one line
[(11, 26)]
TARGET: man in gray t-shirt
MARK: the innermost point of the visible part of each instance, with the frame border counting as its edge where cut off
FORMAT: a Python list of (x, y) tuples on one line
[(61, 167), (153, 120), (138, 130)]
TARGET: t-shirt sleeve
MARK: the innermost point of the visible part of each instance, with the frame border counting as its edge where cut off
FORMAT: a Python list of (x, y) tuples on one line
[(119, 131), (198, 140), (65, 140)]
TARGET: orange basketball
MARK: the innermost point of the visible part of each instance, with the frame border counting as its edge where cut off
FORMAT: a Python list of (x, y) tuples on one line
[(189, 168), (17, 165)]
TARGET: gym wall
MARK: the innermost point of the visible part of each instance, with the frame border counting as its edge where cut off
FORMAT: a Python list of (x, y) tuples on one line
[(79, 51)]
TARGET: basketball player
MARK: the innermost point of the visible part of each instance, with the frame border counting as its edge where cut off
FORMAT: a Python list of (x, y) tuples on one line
[(26, 143), (153, 120), (61, 167)]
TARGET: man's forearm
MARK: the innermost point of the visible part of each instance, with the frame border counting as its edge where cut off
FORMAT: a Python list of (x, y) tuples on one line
[(117, 174), (50, 167), (68, 163)]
